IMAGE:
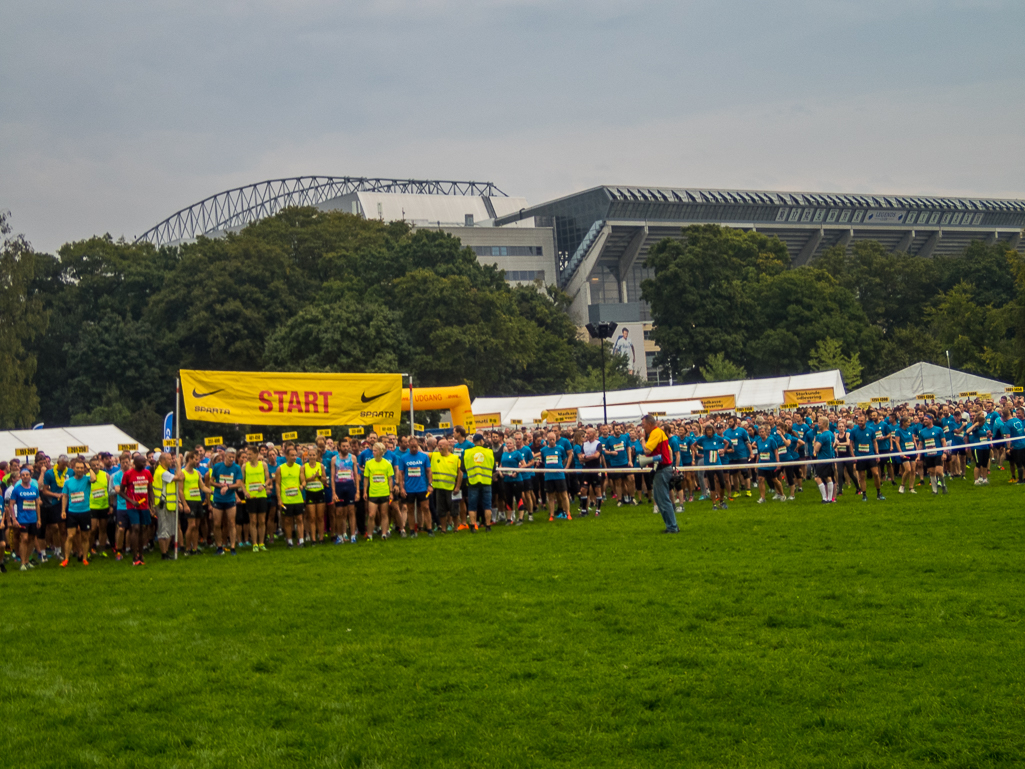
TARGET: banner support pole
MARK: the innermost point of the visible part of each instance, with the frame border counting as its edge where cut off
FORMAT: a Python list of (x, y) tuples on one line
[(178, 456)]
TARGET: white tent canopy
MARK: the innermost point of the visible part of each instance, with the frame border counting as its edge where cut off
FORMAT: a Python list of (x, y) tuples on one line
[(924, 379), (675, 401), (55, 441)]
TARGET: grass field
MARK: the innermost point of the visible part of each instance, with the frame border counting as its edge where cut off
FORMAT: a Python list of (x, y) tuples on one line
[(879, 634)]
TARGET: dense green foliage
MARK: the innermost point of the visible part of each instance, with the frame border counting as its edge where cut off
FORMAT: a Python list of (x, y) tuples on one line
[(728, 293), (797, 634), (303, 290)]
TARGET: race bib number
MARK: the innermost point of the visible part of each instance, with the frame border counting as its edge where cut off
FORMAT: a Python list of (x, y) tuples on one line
[(909, 447), (930, 443), (140, 488), (228, 479), (413, 472), (713, 457), (863, 448), (551, 459), (764, 456), (77, 497), (378, 479), (291, 493), (99, 494), (735, 441), (255, 488), (193, 494), (28, 505), (314, 486)]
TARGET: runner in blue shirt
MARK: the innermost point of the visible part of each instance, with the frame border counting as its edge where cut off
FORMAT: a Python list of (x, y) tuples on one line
[(76, 513), (931, 440), (767, 454), (554, 458), (617, 454), (510, 462), (739, 457), (977, 437), (712, 447), (904, 444), (865, 445), (24, 509), (823, 454), (413, 474), (1012, 427)]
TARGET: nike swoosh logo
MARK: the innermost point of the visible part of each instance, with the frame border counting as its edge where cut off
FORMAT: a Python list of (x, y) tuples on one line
[(204, 395), (365, 399)]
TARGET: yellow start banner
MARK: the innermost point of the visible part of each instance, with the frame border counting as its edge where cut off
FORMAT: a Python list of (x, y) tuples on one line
[(721, 403), (805, 397), (266, 398)]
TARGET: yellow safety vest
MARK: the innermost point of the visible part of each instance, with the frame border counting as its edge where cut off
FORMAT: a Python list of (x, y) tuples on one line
[(99, 493), (480, 465), (444, 471), (158, 485), (255, 479)]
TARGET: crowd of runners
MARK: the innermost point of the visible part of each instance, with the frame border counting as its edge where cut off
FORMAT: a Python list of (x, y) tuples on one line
[(299, 495)]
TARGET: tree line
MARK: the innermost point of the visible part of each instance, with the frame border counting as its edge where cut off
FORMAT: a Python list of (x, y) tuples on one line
[(727, 304), (97, 332)]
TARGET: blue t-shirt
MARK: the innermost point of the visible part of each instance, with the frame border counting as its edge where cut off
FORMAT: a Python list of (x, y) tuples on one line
[(863, 439), (328, 456), (932, 440), (77, 491), (527, 455), (621, 445), (1013, 428), (685, 443), (510, 459), (578, 452), (905, 439), (222, 473), (740, 440), (414, 471), (825, 440), (115, 480), (553, 457), (711, 449), (363, 457), (638, 451), (26, 502), (55, 483), (567, 445), (766, 450)]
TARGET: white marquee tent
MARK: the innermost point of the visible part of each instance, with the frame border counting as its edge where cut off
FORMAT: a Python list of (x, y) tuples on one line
[(924, 379), (675, 401), (55, 441)]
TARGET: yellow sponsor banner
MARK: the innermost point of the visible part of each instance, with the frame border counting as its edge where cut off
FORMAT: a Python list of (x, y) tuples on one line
[(217, 441), (719, 403), (128, 447), (967, 394), (926, 397), (292, 436), (78, 449), (805, 397), (254, 437), (266, 398), (170, 443), (560, 415), (356, 431), (444, 425), (418, 428), (385, 430), (324, 433), (1014, 389), (516, 421), (28, 451), (487, 420)]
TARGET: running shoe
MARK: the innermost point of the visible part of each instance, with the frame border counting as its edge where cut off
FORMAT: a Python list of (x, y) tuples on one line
[(551, 518), (761, 500), (64, 563), (118, 556), (85, 561), (747, 493), (23, 568), (900, 489), (352, 539), (880, 497), (256, 548), (725, 506), (403, 533), (220, 551), (462, 527), (233, 551), (561, 516), (263, 548)]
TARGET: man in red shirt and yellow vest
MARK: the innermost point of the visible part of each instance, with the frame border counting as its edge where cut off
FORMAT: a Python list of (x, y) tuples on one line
[(658, 454)]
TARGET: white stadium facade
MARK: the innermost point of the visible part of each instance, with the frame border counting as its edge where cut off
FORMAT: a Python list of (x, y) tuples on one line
[(594, 244)]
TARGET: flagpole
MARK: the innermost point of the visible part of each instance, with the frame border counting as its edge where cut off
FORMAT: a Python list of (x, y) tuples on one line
[(412, 430), (178, 451)]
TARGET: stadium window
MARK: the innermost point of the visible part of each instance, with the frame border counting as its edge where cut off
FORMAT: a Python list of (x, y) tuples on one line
[(505, 251), (496, 251)]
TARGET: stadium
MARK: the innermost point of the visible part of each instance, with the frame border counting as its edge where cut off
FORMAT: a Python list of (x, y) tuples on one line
[(594, 244)]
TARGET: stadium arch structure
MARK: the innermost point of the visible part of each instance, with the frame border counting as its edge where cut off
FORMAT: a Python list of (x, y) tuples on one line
[(237, 207)]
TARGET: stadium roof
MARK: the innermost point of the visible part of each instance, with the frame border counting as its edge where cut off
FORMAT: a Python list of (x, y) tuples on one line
[(235, 208)]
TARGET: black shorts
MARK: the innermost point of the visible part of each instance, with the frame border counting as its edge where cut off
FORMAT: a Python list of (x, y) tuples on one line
[(513, 492), (122, 518), (293, 511), (195, 508), (241, 513), (864, 465), (791, 473), (825, 470), (257, 505), (80, 521), (315, 497), (416, 497), (224, 506), (717, 474), (29, 528), (52, 515), (767, 473), (555, 485), (345, 494), (379, 500), (100, 513), (928, 462), (982, 457)]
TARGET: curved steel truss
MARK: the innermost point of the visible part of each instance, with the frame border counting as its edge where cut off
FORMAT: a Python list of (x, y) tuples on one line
[(243, 205)]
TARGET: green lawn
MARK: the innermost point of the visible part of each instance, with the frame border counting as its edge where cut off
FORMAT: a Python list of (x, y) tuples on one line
[(877, 634)]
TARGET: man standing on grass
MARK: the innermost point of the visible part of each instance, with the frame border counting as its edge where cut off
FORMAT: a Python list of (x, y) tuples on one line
[(136, 487), (657, 453)]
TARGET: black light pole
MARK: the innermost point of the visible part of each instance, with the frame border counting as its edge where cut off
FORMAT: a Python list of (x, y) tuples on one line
[(601, 332)]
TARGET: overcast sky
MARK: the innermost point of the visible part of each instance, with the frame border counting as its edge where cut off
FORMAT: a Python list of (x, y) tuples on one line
[(114, 115)]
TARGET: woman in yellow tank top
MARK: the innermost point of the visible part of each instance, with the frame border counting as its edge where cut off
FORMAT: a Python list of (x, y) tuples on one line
[(313, 472)]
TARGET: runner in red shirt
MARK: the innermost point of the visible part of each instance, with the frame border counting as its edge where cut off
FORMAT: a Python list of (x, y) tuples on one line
[(137, 489)]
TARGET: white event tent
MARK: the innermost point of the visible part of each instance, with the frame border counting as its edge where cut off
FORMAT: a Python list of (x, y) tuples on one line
[(674, 401), (55, 441), (925, 379)]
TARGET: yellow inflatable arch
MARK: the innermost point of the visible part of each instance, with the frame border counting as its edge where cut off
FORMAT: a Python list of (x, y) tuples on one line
[(455, 399)]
